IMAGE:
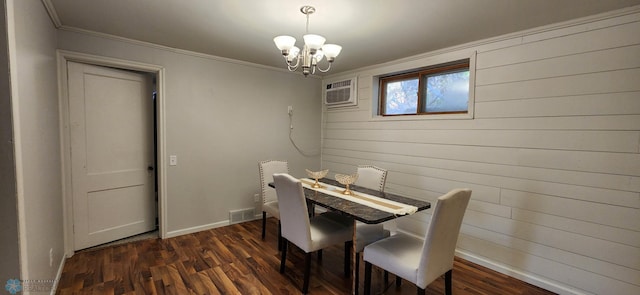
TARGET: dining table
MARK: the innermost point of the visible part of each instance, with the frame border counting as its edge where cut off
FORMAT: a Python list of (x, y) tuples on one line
[(328, 196)]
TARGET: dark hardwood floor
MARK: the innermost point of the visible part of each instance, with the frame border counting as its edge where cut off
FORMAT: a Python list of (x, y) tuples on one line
[(234, 260)]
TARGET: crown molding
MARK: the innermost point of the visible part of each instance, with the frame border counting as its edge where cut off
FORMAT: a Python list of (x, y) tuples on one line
[(53, 14)]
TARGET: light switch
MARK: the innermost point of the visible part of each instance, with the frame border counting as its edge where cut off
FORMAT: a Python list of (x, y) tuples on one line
[(173, 160)]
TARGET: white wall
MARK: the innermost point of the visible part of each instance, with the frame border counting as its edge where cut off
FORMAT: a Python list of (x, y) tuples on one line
[(552, 155), (222, 117), (10, 266), (32, 44)]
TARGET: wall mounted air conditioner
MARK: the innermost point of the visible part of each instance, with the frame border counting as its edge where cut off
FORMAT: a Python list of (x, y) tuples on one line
[(341, 93)]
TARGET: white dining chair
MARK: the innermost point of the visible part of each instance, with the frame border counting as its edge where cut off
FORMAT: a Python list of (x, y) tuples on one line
[(269, 197), (422, 261), (310, 234), (371, 177)]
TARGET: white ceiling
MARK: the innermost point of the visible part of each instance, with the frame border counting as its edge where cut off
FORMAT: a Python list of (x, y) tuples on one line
[(370, 31)]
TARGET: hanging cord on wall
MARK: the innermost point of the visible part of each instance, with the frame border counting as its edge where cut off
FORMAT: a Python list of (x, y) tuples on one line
[(315, 153)]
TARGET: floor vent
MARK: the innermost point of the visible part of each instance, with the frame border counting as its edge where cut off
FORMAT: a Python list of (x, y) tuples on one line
[(236, 216)]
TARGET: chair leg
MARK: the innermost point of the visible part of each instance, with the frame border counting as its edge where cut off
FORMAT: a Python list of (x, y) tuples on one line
[(447, 282), (319, 255), (367, 278), (357, 278), (386, 277), (398, 281), (311, 208), (284, 255), (307, 273), (279, 236), (347, 258), (264, 224), (421, 291)]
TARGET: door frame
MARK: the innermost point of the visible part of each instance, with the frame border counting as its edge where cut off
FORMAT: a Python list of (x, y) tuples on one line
[(63, 56)]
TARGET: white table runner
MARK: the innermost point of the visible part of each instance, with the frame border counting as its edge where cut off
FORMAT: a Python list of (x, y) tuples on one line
[(383, 204)]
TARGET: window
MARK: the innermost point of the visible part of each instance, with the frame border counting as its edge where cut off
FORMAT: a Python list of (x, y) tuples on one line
[(442, 89)]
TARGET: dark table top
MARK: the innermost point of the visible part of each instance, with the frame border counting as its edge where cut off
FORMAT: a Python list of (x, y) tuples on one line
[(355, 210)]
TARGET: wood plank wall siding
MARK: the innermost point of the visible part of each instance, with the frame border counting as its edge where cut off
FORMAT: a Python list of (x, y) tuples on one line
[(552, 154)]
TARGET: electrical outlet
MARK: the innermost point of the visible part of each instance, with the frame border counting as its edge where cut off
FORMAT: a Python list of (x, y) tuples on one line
[(290, 110), (173, 160)]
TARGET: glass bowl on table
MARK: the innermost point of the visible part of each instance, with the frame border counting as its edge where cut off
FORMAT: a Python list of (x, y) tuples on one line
[(317, 175), (346, 180)]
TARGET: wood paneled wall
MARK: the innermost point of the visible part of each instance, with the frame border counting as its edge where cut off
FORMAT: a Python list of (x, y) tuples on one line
[(552, 154)]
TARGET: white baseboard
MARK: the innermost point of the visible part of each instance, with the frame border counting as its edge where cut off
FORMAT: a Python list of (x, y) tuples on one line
[(196, 229), (56, 280), (521, 275)]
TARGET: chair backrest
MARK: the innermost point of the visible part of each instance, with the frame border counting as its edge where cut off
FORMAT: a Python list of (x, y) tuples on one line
[(267, 169), (442, 236), (371, 177), (294, 217)]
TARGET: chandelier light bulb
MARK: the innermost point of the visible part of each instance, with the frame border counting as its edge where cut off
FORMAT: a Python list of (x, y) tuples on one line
[(318, 56), (293, 53)]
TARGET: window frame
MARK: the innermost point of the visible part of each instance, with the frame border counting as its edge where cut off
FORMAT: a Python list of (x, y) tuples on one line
[(420, 74)]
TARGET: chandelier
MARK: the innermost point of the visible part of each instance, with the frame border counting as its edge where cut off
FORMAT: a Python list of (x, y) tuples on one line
[(313, 51)]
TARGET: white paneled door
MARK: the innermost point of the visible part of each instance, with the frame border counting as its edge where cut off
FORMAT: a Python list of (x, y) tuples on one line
[(112, 153)]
